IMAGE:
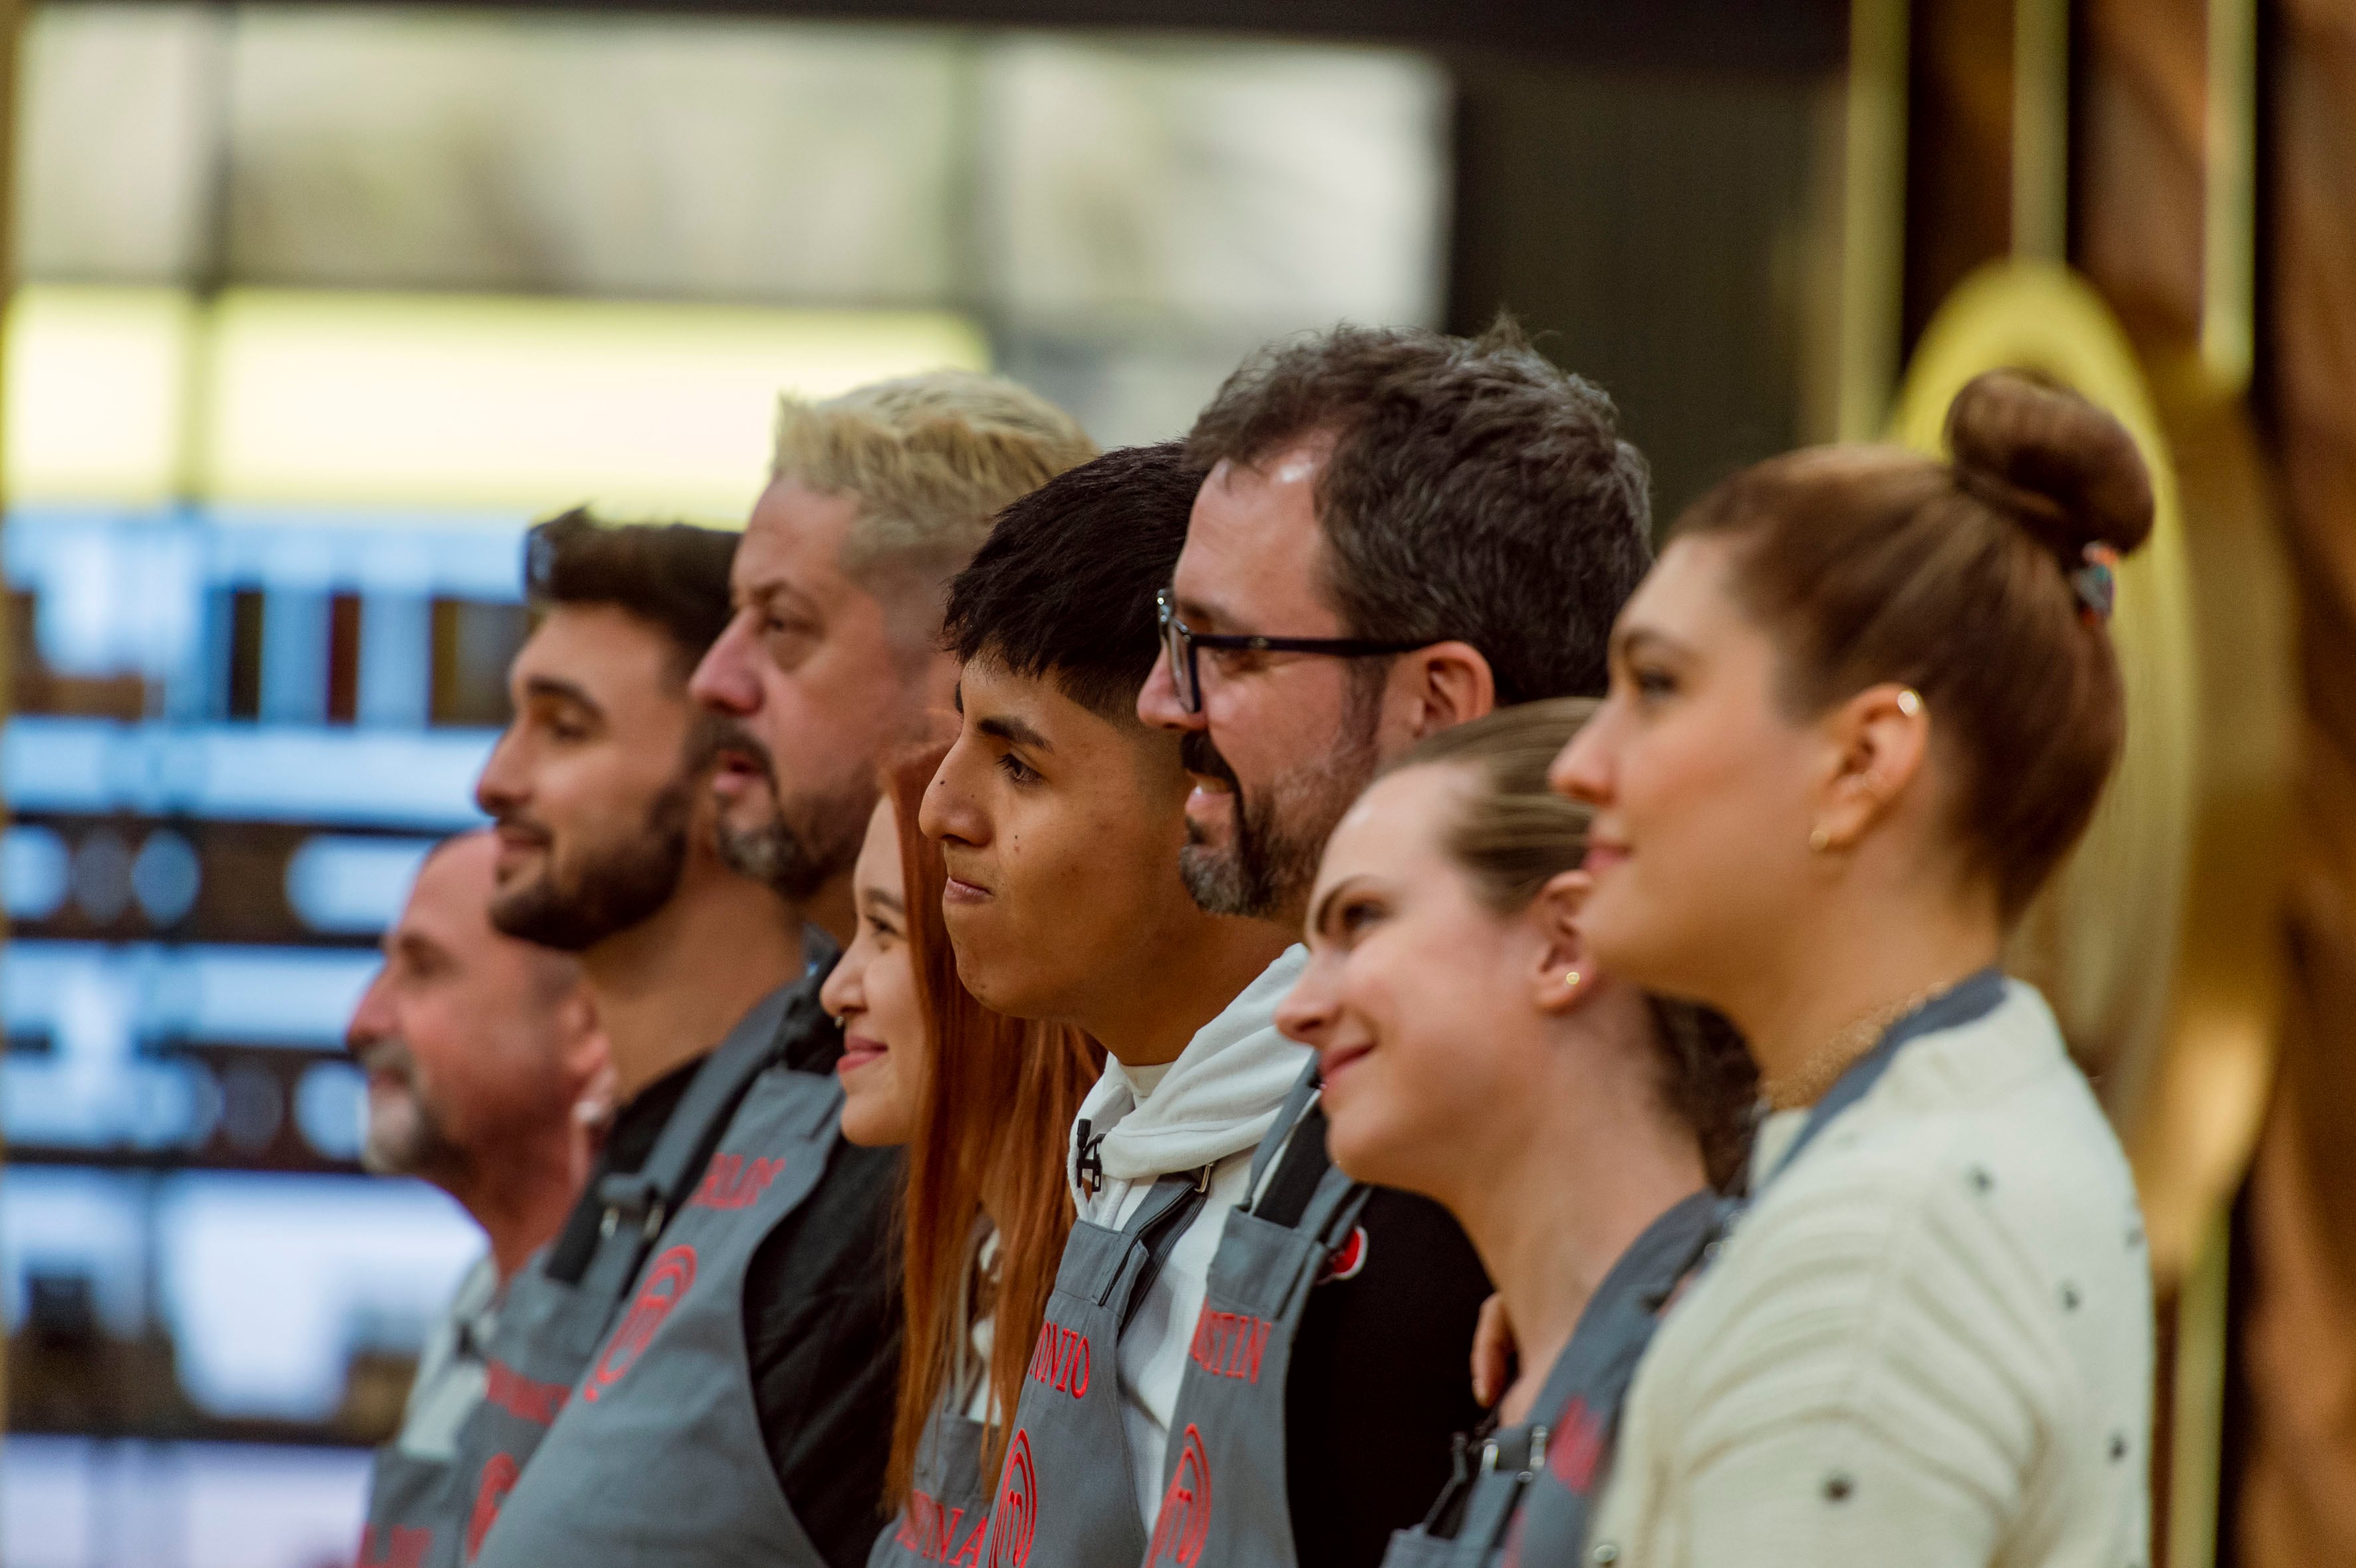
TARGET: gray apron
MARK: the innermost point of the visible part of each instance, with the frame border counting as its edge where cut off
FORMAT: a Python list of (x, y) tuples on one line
[(658, 1457), (550, 1329), (1065, 1495), (410, 1500), (1530, 1501), (1224, 1499), (946, 1517)]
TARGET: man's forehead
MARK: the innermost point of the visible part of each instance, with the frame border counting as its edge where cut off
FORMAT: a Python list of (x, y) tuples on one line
[(793, 541), (449, 903), (1255, 553)]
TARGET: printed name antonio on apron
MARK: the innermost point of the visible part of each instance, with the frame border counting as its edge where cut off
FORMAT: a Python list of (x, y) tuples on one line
[(550, 1329), (658, 1457), (1223, 1488), (946, 1517), (1065, 1497), (1529, 1502)]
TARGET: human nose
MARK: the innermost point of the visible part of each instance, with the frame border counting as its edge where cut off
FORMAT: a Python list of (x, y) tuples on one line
[(500, 787), (726, 681), (845, 991), (1157, 700), (373, 1019), (1306, 1013), (1581, 770), (948, 814)]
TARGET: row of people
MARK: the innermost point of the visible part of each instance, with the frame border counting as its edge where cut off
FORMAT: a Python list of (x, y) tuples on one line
[(1296, 885)]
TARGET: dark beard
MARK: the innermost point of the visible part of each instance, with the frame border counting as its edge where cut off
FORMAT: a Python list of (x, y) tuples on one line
[(609, 889), (1272, 863), (793, 864)]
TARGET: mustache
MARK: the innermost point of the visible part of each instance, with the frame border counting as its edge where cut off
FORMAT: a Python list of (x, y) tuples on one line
[(390, 1056), (516, 820), (1197, 754), (717, 736)]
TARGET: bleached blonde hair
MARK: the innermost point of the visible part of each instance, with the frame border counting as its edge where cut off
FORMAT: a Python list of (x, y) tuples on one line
[(930, 458)]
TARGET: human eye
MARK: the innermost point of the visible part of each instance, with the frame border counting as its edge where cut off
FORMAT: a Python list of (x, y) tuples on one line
[(881, 926), (1652, 683), (1017, 770), (1355, 917)]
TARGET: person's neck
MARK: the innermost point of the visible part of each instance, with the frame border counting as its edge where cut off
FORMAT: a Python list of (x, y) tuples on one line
[(521, 1195), (1145, 1017), (1560, 1190), (669, 989), (1856, 964)]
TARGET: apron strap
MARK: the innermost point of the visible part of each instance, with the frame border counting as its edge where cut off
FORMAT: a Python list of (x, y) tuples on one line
[(1169, 1207), (644, 1200)]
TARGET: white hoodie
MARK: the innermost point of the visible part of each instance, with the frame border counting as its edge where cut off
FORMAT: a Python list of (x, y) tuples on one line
[(1210, 1107)]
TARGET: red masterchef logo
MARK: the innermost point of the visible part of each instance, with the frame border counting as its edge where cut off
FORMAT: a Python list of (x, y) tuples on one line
[(1186, 1518), (667, 1280), (1016, 1517), (1347, 1259), (499, 1480)]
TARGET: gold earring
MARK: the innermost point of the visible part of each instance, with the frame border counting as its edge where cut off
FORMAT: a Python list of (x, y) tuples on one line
[(1570, 979), (1820, 838)]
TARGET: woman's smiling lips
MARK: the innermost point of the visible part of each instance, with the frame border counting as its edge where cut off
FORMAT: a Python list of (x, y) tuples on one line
[(859, 1051), (1333, 1060), (957, 892), (1603, 857)]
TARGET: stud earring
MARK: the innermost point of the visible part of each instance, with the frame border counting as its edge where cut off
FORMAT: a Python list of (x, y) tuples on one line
[(1910, 702), (1570, 978), (1820, 838)]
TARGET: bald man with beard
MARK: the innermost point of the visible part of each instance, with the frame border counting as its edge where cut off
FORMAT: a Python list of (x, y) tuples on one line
[(482, 1054)]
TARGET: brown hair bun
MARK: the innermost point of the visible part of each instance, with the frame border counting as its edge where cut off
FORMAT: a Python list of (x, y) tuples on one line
[(2062, 468)]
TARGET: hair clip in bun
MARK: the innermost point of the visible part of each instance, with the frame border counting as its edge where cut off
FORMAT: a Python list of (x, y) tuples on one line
[(2097, 584)]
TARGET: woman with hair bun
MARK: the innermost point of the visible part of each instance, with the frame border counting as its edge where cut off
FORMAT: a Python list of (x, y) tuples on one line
[(1861, 708)]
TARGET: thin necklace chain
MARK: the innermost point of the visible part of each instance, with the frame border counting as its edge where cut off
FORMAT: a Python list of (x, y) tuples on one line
[(1808, 1083)]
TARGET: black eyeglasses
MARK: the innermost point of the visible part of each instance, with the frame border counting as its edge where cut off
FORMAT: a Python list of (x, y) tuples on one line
[(1181, 641)]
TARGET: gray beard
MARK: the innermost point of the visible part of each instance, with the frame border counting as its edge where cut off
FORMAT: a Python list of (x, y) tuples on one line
[(791, 864)]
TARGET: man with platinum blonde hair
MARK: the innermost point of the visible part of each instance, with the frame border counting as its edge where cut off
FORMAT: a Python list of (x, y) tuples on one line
[(832, 658)]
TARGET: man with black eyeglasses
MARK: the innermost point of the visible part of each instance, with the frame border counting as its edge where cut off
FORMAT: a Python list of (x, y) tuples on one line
[(1399, 532)]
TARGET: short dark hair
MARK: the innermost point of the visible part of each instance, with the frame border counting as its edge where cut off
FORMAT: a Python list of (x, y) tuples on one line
[(1063, 586), (671, 575), (1476, 491)]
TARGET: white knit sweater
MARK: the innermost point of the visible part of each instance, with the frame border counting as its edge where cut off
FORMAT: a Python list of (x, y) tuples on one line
[(1928, 1343)]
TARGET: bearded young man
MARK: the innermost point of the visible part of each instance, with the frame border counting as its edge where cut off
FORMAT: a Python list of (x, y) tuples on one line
[(700, 1365)]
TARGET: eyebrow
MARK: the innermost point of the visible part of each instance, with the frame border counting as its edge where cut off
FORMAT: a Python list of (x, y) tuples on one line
[(1012, 731), (887, 899), (1629, 639), (1324, 904), (560, 690)]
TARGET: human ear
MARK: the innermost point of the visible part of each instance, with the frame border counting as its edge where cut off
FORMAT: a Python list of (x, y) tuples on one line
[(1562, 976), (1444, 685), (1879, 740)]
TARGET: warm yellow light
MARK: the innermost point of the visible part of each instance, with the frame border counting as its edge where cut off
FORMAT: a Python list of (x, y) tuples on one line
[(531, 404), (93, 392)]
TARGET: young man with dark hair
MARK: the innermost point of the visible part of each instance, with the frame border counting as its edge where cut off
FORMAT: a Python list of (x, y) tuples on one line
[(1397, 531), (700, 1368), (1060, 816)]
